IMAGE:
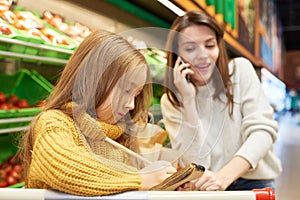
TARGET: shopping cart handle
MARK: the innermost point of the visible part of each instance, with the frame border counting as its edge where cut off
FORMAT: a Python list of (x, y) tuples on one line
[(42, 194), (264, 194)]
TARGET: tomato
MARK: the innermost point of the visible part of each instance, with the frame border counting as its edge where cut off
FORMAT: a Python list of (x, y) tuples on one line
[(3, 183), (4, 106), (15, 174), (2, 174), (2, 97), (23, 103), (41, 104), (10, 106), (18, 168), (7, 167), (12, 98), (11, 180)]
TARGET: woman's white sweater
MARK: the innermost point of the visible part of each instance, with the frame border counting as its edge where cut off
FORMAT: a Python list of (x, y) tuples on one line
[(250, 133)]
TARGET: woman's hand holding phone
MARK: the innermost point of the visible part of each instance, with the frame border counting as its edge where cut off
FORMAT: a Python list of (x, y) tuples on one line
[(182, 79)]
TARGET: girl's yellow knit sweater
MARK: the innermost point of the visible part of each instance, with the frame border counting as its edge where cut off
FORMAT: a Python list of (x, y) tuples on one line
[(65, 159)]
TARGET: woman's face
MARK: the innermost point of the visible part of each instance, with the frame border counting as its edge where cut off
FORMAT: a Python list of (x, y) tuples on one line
[(198, 46), (122, 98)]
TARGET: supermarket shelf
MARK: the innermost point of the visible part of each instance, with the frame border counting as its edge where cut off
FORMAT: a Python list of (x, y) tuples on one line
[(38, 46), (13, 120), (41, 58), (12, 130), (41, 47), (21, 119), (20, 55)]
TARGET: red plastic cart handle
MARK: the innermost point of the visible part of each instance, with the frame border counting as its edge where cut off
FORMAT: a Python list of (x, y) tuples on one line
[(264, 194)]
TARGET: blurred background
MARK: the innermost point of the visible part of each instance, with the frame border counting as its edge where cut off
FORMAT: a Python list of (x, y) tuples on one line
[(37, 38)]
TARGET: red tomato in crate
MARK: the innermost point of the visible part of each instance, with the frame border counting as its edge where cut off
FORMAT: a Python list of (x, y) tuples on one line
[(4, 106), (11, 180), (22, 103), (12, 98), (18, 168), (2, 98), (3, 183), (11, 172), (2, 174)]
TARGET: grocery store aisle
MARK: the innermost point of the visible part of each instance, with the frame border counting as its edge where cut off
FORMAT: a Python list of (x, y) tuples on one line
[(288, 149)]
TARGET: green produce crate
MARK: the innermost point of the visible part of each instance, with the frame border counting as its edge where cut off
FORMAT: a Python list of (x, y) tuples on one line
[(26, 85), (32, 50), (18, 48), (9, 147), (56, 54), (4, 46)]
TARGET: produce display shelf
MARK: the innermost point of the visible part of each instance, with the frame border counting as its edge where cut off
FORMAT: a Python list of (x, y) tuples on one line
[(39, 46), (14, 120), (41, 58), (32, 51)]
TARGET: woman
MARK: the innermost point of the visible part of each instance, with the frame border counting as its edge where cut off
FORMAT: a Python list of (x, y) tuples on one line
[(102, 92), (215, 111)]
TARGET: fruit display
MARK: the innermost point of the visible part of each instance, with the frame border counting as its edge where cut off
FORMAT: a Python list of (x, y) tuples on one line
[(12, 102), (33, 25), (17, 99), (11, 172), (76, 31), (5, 28)]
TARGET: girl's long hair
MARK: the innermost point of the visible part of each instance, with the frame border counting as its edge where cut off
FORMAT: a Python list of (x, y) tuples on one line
[(88, 78)]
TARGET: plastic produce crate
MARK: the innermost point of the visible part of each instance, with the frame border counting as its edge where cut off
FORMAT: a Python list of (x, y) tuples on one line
[(5, 46), (26, 85), (19, 48), (32, 50), (8, 148)]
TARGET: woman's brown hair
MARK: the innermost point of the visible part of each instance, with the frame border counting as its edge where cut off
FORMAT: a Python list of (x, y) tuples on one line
[(89, 77), (189, 19)]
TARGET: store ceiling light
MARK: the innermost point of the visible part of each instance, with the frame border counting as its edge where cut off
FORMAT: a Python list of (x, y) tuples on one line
[(172, 7)]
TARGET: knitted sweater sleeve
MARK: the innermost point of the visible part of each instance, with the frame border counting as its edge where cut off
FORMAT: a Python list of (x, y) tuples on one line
[(61, 161)]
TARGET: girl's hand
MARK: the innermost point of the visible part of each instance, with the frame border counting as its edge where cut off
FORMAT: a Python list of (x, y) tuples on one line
[(189, 186), (211, 181), (185, 87), (155, 173)]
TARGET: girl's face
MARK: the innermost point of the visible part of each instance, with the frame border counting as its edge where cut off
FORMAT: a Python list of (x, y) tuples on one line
[(198, 46), (122, 98)]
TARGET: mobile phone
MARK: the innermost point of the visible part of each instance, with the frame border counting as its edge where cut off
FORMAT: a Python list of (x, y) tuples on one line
[(187, 77)]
